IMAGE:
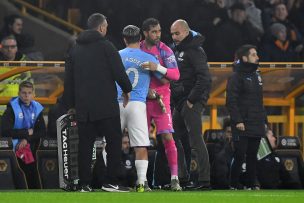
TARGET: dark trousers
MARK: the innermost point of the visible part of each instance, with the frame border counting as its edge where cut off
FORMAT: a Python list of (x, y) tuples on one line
[(31, 174), (246, 149), (187, 125), (88, 131)]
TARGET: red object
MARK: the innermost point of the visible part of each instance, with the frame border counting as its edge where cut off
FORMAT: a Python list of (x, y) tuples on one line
[(25, 154)]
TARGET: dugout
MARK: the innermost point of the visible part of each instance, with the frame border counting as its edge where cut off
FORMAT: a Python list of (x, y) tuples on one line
[(283, 88)]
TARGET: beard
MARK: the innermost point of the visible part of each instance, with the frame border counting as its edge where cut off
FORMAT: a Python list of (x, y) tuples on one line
[(152, 42)]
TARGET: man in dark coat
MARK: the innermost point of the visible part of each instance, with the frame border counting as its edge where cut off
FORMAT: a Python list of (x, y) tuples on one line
[(92, 68), (189, 95), (248, 117)]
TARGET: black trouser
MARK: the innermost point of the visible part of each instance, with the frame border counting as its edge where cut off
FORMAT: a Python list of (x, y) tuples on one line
[(88, 131), (246, 149), (187, 125), (31, 174)]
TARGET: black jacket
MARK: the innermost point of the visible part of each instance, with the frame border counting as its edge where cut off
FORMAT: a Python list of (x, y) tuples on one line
[(7, 128), (244, 100), (92, 68), (195, 81)]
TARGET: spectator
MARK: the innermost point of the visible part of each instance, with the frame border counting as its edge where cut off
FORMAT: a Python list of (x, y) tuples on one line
[(23, 121), (128, 177), (278, 48), (248, 117), (280, 15), (13, 25), (254, 14), (92, 68), (189, 95), (237, 31), (223, 154), (9, 52), (205, 19), (266, 7), (268, 168)]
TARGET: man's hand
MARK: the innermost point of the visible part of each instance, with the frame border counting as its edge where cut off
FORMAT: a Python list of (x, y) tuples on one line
[(126, 98), (240, 126), (148, 65), (164, 80), (71, 111), (30, 131), (189, 104), (22, 144), (151, 94)]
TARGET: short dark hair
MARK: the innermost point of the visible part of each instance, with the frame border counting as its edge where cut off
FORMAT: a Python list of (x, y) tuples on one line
[(244, 51), (26, 84), (95, 20), (237, 6), (8, 38), (148, 23), (131, 34), (10, 20)]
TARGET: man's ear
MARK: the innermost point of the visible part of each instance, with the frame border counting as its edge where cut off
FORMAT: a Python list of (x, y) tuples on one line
[(145, 33), (125, 41), (244, 58), (101, 28)]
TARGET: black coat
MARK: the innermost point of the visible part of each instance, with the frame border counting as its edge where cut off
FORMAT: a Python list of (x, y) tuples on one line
[(244, 100), (92, 68), (195, 81)]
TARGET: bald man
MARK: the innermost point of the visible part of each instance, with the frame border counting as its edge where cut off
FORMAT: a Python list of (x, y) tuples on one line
[(189, 95)]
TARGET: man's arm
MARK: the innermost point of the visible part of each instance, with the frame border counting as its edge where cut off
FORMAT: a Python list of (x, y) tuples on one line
[(171, 65), (233, 95), (198, 60), (117, 68), (8, 121), (69, 94), (39, 130)]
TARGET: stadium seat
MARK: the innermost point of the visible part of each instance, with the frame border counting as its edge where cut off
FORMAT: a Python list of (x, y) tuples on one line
[(211, 137), (47, 163), (292, 167), (11, 175)]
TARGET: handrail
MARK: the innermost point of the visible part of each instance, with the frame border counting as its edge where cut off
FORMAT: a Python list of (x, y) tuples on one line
[(26, 5)]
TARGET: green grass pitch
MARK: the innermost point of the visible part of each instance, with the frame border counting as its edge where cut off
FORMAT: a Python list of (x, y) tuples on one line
[(214, 196)]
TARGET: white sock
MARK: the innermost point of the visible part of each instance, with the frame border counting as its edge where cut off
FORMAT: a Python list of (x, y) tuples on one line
[(141, 168), (174, 177)]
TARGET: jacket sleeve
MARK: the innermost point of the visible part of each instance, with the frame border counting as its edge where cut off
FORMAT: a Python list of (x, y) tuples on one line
[(117, 68), (39, 129), (7, 126), (171, 65), (69, 94), (234, 85), (202, 86)]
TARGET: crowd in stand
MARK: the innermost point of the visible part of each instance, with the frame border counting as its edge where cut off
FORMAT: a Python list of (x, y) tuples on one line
[(275, 26)]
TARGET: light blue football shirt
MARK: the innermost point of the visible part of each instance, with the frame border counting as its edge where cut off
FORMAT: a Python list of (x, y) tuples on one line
[(140, 78)]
